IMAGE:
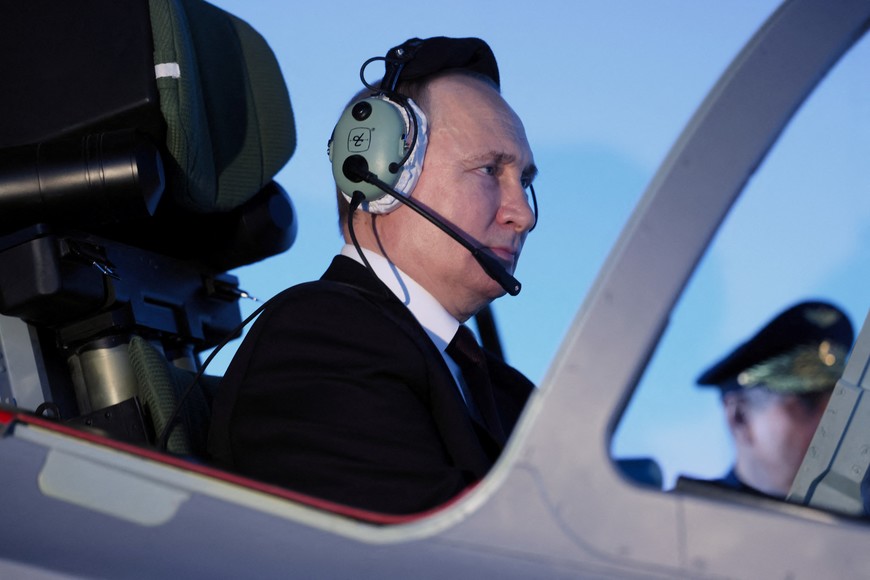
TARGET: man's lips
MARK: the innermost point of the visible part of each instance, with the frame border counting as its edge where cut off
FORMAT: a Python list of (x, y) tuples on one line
[(504, 254)]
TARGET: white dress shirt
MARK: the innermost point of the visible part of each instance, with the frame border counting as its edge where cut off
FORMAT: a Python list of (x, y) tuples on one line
[(439, 325)]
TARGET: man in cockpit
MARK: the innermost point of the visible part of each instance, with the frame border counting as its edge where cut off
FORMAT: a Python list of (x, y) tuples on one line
[(352, 388), (775, 387)]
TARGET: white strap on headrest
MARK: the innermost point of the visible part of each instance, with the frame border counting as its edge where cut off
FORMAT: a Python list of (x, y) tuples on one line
[(167, 69)]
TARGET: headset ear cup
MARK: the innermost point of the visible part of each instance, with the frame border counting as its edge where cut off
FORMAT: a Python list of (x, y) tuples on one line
[(380, 131), (373, 129)]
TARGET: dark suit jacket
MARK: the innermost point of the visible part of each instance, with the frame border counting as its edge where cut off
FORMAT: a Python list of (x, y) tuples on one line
[(338, 392)]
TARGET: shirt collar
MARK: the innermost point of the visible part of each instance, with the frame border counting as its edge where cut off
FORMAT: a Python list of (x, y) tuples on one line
[(434, 318)]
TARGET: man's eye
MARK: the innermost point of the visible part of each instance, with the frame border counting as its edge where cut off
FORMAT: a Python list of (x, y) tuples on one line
[(489, 170)]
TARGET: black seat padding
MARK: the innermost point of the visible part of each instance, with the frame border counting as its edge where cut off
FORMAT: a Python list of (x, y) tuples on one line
[(198, 84)]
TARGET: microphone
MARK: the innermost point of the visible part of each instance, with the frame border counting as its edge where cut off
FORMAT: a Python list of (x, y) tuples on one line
[(356, 169)]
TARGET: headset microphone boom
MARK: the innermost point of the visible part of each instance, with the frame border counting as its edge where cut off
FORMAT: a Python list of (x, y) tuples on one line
[(355, 168)]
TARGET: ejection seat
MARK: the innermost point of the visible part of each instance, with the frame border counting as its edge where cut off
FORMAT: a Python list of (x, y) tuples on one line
[(138, 144)]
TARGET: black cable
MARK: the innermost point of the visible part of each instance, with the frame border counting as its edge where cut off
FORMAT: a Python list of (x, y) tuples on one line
[(165, 433), (357, 199), (362, 71), (535, 203), (163, 439), (488, 331)]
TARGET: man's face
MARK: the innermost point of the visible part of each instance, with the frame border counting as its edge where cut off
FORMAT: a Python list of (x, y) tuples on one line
[(475, 175), (781, 431)]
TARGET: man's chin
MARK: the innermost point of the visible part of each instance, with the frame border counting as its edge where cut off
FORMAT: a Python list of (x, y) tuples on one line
[(494, 290)]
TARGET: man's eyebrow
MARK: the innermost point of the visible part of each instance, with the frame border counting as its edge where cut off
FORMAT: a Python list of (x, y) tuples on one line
[(493, 156)]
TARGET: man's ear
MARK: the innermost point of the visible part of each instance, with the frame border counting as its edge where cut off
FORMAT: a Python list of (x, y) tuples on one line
[(737, 415)]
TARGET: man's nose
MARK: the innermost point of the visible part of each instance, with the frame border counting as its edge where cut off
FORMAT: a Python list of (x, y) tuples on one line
[(515, 208)]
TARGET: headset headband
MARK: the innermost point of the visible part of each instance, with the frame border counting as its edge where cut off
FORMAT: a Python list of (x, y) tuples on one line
[(417, 58)]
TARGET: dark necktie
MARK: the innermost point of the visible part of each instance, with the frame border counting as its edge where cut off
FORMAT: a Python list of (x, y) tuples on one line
[(472, 362)]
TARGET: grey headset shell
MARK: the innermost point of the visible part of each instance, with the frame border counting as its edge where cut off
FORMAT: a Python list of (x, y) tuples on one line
[(379, 138)]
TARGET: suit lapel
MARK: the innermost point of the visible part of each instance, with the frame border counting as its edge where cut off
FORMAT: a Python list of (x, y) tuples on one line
[(469, 444)]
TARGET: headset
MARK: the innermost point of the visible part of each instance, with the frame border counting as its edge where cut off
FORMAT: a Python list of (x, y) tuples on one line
[(377, 147), (387, 130)]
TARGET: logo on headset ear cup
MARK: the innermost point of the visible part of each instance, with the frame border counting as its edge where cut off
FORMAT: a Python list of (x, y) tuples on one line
[(374, 129)]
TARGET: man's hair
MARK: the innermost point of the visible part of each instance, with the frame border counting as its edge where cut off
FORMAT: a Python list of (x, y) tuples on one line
[(416, 90)]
